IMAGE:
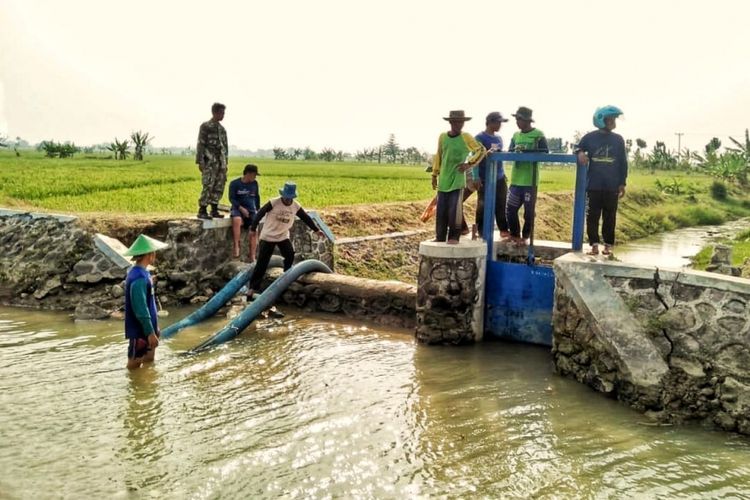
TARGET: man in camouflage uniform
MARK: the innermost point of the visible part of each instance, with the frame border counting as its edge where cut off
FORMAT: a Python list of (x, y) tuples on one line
[(211, 157)]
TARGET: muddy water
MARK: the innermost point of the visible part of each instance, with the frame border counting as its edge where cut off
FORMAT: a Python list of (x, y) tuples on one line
[(674, 249), (315, 407)]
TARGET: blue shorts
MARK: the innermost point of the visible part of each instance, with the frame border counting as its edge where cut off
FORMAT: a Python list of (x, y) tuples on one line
[(246, 221)]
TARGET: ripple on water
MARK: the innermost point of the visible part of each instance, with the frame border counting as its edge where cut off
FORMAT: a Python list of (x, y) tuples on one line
[(307, 407)]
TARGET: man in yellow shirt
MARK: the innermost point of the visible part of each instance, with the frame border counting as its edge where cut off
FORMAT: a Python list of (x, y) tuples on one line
[(457, 153)]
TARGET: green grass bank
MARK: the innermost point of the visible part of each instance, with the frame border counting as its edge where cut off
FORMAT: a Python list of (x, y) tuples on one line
[(740, 245), (356, 198)]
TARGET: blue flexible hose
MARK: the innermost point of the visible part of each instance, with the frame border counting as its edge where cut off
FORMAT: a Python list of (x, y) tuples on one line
[(263, 302), (217, 301)]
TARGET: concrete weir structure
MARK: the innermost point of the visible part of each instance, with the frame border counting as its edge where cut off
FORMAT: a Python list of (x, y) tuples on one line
[(673, 344), (450, 293)]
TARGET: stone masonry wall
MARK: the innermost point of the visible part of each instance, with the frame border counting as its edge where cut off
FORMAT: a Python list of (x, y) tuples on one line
[(696, 323), (51, 262), (450, 293), (199, 261)]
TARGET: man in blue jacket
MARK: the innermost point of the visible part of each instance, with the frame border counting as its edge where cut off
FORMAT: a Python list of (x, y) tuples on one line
[(604, 153), (141, 326)]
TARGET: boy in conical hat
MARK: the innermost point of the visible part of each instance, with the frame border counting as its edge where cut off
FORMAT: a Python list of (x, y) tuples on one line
[(141, 327)]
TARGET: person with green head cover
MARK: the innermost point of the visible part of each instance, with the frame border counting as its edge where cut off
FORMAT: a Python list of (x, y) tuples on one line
[(141, 326)]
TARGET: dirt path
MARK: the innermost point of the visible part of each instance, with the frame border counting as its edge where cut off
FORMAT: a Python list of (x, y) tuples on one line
[(380, 259)]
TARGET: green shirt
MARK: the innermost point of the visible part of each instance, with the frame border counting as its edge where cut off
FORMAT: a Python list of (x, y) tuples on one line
[(533, 140), (452, 152), (140, 306)]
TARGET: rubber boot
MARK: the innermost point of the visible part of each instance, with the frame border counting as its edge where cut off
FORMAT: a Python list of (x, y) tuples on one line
[(215, 212), (203, 214)]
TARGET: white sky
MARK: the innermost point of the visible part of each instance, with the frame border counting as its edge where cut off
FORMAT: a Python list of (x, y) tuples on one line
[(345, 74)]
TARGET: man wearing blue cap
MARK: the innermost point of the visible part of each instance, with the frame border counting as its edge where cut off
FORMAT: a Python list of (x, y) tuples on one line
[(279, 216), (141, 327), (603, 151), (492, 143)]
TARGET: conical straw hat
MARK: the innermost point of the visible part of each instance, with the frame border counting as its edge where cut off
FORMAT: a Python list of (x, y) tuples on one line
[(143, 245)]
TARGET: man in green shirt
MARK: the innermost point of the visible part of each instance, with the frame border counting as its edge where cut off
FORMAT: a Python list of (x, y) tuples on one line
[(141, 324), (457, 153), (525, 178)]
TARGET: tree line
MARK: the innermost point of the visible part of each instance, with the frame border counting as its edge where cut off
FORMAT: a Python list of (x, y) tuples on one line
[(388, 152), (119, 148), (732, 164)]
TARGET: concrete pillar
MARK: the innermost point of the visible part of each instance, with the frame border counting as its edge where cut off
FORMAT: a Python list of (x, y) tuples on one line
[(450, 292)]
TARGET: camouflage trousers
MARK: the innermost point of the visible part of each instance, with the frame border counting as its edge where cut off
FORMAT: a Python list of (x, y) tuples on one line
[(214, 178)]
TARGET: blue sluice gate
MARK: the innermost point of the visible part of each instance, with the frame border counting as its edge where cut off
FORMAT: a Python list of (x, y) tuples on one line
[(518, 302), (519, 297)]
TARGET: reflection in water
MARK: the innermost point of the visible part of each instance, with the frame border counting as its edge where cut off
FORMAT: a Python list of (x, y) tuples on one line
[(312, 407), (144, 442), (675, 248)]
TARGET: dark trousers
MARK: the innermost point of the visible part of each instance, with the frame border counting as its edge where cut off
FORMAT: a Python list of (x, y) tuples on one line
[(601, 204), (448, 215), (265, 251), (520, 196), (501, 195)]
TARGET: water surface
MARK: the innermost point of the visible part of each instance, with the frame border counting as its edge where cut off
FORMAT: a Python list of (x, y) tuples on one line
[(674, 249), (317, 407)]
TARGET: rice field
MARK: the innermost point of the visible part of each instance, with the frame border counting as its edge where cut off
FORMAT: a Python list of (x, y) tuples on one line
[(171, 184)]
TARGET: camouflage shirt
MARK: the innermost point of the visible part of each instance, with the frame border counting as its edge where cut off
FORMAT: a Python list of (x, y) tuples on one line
[(212, 142)]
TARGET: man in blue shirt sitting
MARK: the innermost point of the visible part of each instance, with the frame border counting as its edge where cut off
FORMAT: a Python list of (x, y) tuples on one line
[(604, 153), (244, 194)]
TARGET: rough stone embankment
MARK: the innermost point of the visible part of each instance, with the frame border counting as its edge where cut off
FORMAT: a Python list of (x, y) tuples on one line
[(55, 262), (673, 344)]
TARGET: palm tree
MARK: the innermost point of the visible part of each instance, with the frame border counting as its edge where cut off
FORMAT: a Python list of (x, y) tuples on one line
[(309, 154), (743, 149), (327, 154), (112, 146), (120, 149), (140, 141), (279, 154)]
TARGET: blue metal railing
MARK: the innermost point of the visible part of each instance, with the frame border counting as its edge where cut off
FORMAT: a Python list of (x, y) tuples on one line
[(519, 297), (490, 182)]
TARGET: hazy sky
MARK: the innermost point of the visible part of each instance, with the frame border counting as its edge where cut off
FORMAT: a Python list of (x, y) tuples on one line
[(345, 74)]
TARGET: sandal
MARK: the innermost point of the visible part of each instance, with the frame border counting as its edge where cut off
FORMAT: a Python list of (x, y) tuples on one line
[(594, 250), (607, 250), (452, 242)]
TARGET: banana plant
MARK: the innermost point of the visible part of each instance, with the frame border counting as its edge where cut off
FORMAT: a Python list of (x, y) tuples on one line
[(140, 141)]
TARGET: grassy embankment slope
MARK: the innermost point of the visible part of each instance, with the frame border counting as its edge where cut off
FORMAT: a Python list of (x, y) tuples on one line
[(740, 253), (355, 199)]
